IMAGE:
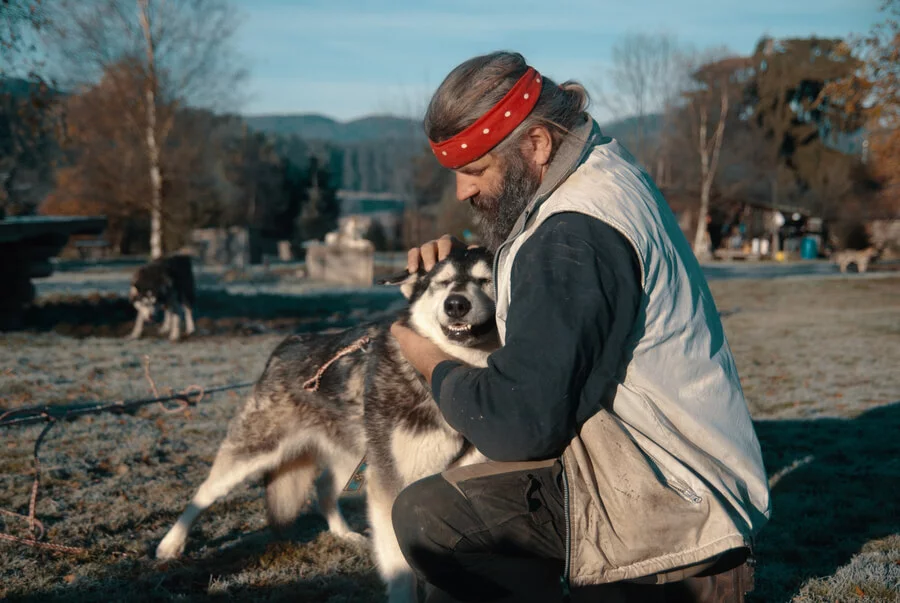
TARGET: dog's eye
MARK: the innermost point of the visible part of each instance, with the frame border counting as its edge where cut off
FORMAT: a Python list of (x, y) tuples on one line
[(443, 283)]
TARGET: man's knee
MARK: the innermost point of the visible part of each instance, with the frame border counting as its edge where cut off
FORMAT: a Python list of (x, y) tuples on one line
[(420, 515)]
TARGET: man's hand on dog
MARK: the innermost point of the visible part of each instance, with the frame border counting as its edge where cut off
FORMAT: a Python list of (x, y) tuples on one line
[(420, 351), (432, 252)]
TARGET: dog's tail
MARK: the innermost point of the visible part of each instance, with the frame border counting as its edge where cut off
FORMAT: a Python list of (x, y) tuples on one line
[(288, 488)]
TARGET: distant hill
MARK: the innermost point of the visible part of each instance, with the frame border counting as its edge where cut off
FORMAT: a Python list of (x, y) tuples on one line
[(626, 130), (315, 127), (375, 153)]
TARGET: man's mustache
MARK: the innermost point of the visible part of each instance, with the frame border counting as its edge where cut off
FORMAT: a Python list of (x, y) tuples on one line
[(480, 203)]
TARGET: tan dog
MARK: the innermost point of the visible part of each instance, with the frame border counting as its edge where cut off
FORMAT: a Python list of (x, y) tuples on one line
[(860, 257)]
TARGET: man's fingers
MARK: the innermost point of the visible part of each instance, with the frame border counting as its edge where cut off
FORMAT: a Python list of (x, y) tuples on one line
[(429, 255), (444, 245), (412, 260)]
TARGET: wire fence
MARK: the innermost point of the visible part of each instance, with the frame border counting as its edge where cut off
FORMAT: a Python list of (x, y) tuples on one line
[(53, 415)]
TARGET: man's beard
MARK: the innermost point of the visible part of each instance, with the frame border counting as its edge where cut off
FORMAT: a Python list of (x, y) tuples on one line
[(496, 215)]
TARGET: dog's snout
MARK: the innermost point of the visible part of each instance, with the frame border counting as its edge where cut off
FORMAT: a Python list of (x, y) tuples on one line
[(457, 306)]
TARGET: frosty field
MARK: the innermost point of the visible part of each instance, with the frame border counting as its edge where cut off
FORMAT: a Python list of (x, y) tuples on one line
[(818, 359)]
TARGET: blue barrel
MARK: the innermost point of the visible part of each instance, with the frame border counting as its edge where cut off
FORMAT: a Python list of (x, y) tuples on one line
[(809, 249)]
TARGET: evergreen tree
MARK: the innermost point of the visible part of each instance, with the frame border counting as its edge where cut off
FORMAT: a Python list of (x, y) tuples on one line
[(377, 235), (321, 208)]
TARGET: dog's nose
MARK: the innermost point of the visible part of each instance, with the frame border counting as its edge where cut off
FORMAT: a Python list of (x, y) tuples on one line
[(457, 306)]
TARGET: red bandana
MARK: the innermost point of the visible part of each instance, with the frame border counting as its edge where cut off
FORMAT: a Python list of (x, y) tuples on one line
[(492, 127)]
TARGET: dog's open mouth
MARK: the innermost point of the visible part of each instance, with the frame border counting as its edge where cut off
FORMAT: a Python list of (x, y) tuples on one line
[(462, 332)]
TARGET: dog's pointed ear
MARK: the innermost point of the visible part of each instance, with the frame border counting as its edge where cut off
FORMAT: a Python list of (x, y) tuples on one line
[(406, 280)]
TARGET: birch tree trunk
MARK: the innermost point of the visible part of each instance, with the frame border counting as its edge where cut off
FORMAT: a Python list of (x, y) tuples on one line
[(156, 243), (709, 160)]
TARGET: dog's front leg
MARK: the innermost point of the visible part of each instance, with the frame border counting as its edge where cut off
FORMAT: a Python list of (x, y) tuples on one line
[(395, 571), (167, 323), (175, 332), (188, 320), (142, 315)]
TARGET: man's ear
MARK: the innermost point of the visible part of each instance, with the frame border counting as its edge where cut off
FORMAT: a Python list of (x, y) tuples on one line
[(406, 281), (540, 145)]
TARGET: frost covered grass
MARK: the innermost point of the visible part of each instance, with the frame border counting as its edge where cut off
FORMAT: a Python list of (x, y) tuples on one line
[(817, 358)]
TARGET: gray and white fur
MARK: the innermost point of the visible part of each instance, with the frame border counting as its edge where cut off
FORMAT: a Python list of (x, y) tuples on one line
[(166, 283), (370, 402)]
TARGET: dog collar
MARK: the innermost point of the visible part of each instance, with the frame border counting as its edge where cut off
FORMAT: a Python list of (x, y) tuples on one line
[(492, 127)]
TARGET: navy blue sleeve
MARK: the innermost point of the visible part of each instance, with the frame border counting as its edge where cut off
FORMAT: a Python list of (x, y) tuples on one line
[(575, 292)]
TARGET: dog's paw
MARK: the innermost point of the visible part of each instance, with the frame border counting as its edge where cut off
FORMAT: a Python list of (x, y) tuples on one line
[(171, 547)]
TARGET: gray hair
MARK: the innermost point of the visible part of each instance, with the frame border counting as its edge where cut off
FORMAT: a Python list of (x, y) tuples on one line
[(478, 84)]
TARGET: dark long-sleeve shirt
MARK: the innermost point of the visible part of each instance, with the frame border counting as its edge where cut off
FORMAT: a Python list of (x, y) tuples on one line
[(575, 293)]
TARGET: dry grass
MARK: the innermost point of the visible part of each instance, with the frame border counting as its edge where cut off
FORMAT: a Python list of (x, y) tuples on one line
[(817, 359), (115, 484)]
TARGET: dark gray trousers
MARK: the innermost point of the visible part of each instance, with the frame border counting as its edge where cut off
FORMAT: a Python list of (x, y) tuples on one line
[(486, 532)]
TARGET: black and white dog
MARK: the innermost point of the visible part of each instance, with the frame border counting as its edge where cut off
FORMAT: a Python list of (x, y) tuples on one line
[(326, 401), (167, 283)]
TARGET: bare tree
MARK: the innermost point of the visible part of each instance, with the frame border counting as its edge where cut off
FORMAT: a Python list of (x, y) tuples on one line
[(643, 79), (181, 52), (150, 90), (105, 167), (418, 178), (708, 101)]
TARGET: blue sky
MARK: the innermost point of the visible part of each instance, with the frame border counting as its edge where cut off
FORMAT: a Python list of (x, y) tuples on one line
[(352, 58)]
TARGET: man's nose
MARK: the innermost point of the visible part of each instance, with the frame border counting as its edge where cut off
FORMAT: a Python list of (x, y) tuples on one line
[(466, 187)]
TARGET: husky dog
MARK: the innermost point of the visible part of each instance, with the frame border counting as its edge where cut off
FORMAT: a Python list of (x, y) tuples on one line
[(860, 257), (169, 283), (326, 401)]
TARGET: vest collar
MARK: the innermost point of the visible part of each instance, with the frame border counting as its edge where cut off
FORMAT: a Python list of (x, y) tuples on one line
[(573, 151)]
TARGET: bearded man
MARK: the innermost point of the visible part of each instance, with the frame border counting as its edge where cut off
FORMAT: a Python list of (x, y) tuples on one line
[(621, 446)]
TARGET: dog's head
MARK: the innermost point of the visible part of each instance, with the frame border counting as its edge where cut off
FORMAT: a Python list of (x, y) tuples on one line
[(454, 301), (149, 286), (137, 297)]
